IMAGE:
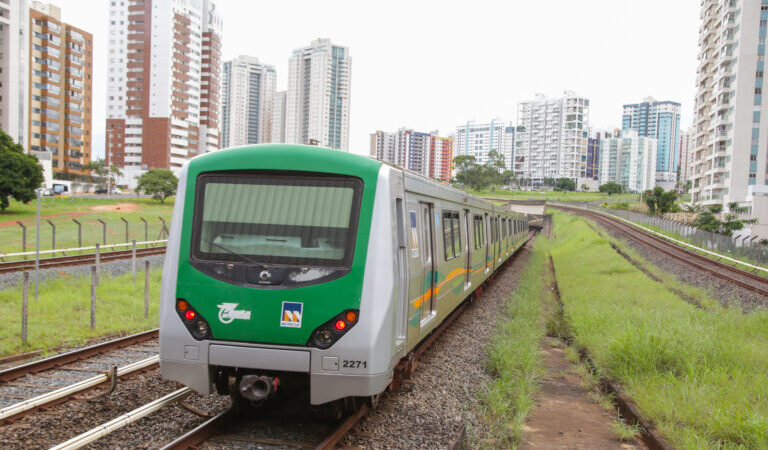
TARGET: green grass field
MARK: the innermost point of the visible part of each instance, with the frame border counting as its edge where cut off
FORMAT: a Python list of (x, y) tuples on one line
[(701, 374), (513, 355), (61, 314), (61, 211), (554, 196)]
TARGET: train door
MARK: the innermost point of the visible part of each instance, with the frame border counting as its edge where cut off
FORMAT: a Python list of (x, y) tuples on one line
[(498, 237), (468, 257), (429, 303)]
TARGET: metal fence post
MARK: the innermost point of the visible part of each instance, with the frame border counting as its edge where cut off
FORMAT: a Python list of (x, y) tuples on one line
[(146, 230), (96, 266), (79, 233), (53, 234), (146, 288), (23, 237), (94, 282), (103, 231), (133, 260), (165, 227), (24, 302), (126, 229)]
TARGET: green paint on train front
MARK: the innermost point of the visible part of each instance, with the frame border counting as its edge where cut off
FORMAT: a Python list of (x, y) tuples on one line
[(321, 302)]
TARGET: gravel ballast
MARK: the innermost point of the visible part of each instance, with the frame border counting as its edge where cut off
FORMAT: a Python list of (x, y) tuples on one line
[(444, 397), (114, 268)]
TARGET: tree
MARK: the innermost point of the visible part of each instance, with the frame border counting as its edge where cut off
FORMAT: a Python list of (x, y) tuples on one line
[(611, 187), (732, 222), (20, 174), (565, 184), (160, 183), (584, 187), (99, 168), (660, 201), (707, 221)]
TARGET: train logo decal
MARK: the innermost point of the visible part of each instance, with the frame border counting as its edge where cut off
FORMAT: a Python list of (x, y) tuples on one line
[(291, 314), (229, 312), (414, 236)]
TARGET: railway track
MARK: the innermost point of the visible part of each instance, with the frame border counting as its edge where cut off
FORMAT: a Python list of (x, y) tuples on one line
[(53, 380), (739, 277), (75, 260)]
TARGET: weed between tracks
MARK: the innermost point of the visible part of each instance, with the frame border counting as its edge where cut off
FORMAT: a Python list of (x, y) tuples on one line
[(61, 315), (700, 374), (514, 357)]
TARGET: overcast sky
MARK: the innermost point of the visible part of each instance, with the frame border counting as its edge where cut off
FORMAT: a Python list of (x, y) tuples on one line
[(432, 65)]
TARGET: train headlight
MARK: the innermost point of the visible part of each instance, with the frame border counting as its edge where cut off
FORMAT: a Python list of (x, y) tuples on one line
[(196, 324), (328, 333)]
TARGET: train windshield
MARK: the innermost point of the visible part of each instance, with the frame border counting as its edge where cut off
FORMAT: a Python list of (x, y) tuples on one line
[(264, 218)]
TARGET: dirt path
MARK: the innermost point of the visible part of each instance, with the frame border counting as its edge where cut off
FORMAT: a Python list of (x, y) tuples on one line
[(565, 416)]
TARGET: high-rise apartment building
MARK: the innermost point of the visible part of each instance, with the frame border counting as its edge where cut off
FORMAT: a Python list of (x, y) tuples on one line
[(248, 94), (441, 158), (629, 160), (478, 139), (686, 151), (60, 72), (14, 76), (730, 150), (278, 117), (660, 120), (163, 73), (552, 138), (425, 153), (593, 158), (317, 103)]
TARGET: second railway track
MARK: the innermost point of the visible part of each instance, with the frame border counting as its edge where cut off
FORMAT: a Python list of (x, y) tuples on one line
[(739, 277), (75, 260)]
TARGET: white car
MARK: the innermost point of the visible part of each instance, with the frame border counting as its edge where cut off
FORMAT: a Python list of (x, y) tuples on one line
[(115, 191)]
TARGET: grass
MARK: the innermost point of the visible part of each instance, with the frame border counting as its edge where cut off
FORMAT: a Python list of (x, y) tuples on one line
[(700, 374), (61, 314), (514, 358), (554, 196), (625, 431), (61, 211)]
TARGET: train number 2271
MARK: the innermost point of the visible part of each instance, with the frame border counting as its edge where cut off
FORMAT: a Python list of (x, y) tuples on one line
[(354, 364)]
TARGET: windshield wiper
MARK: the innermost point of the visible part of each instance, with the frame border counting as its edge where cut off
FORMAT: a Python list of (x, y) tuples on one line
[(243, 257)]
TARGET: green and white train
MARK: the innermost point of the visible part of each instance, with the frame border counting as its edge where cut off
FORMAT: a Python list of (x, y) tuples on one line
[(295, 269)]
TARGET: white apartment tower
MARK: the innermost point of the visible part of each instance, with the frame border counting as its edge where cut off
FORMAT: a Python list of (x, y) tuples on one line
[(248, 93), (278, 117), (478, 139), (686, 152), (14, 62), (317, 101), (730, 150), (552, 138), (163, 74), (629, 160)]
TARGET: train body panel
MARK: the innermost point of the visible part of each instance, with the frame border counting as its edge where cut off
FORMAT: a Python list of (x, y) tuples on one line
[(419, 249)]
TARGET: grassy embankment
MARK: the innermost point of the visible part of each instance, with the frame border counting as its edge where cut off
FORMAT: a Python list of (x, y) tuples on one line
[(701, 374), (61, 314), (554, 196), (513, 355), (61, 211)]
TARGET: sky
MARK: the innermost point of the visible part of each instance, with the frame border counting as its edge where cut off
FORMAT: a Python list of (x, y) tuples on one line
[(434, 65)]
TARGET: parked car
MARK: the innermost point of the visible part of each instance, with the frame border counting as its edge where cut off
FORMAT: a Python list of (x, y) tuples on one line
[(115, 191), (101, 190), (48, 193)]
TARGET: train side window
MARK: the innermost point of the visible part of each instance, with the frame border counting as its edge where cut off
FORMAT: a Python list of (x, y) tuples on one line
[(457, 247), (451, 234), (477, 225), (504, 229)]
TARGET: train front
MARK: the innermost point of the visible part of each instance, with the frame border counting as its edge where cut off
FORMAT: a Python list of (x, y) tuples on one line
[(263, 281)]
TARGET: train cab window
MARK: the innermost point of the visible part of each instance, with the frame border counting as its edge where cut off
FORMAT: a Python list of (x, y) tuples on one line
[(479, 231), (295, 219), (451, 234)]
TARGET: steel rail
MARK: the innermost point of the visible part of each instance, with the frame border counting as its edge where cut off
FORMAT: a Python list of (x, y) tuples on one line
[(75, 355), (17, 409), (703, 263), (74, 260), (119, 422)]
